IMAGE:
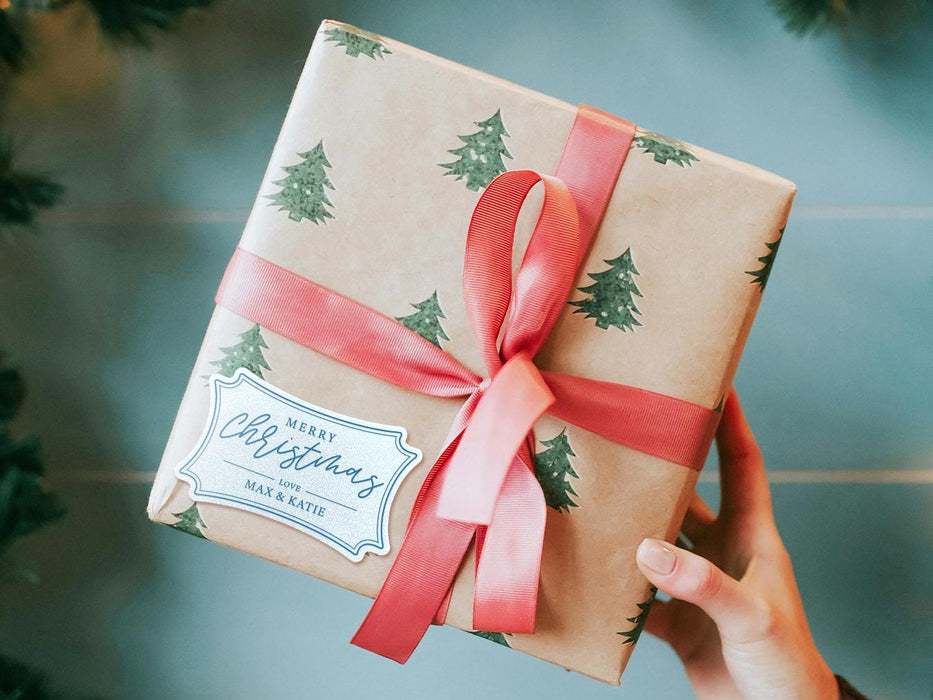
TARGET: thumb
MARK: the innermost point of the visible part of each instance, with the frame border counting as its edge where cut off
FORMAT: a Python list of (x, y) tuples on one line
[(691, 578)]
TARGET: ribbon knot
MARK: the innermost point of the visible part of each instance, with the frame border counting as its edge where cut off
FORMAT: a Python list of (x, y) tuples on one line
[(489, 445)]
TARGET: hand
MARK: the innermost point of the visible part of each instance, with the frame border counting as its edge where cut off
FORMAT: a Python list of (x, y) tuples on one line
[(735, 618)]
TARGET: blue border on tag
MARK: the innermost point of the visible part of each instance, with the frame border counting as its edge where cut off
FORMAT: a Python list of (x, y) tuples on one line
[(218, 382)]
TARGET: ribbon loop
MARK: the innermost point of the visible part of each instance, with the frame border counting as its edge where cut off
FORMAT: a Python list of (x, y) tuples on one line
[(505, 414), (544, 277), (546, 274)]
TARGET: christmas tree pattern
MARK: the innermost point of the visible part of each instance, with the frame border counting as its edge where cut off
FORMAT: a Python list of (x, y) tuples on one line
[(722, 401), (247, 353), (632, 635), (496, 637), (664, 149), (302, 193), (552, 469), (611, 300), (190, 521), (760, 276), (358, 42), (480, 156), (426, 322)]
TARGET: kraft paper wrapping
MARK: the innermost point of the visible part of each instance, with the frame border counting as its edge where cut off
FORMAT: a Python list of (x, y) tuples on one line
[(697, 226)]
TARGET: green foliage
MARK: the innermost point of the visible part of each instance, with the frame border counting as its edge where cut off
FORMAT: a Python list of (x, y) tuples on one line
[(247, 353), (12, 49), (611, 301), (664, 149), (496, 637), (19, 682), (22, 194), (131, 20), (761, 275), (12, 393), (426, 322), (190, 521), (302, 193), (358, 42), (25, 504), (632, 635), (803, 16), (127, 21), (480, 156), (553, 469)]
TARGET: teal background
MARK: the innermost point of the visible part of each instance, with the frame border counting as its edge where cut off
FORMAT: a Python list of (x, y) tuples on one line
[(162, 152)]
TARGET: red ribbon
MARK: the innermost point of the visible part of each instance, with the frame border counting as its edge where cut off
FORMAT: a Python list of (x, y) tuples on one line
[(483, 486)]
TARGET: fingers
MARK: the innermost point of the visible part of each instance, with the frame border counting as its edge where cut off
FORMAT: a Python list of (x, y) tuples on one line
[(743, 482), (691, 578), (699, 516), (700, 510)]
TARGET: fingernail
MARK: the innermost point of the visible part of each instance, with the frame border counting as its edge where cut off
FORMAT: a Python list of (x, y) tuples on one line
[(657, 556)]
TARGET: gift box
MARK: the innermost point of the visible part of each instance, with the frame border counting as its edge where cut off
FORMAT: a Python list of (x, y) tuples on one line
[(308, 429)]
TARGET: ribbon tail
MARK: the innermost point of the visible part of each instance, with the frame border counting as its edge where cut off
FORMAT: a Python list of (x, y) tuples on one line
[(463, 417), (418, 584), (509, 562), (440, 617)]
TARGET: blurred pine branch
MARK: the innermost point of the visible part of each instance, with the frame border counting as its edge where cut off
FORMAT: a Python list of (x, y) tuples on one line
[(22, 194), (25, 503), (19, 682), (131, 20), (879, 17), (12, 49), (803, 16), (126, 21)]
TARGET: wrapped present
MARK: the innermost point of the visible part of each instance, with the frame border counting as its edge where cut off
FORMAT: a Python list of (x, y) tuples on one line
[(395, 397)]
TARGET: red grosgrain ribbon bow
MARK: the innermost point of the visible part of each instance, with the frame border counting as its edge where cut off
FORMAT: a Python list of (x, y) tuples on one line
[(482, 486)]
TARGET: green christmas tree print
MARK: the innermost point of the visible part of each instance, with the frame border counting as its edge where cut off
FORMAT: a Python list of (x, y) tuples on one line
[(426, 322), (190, 521), (610, 299), (247, 353), (664, 149), (358, 42), (632, 635), (553, 469), (480, 156), (760, 276), (302, 194), (496, 637), (722, 401)]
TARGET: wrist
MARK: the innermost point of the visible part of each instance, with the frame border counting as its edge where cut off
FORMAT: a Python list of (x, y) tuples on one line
[(827, 686)]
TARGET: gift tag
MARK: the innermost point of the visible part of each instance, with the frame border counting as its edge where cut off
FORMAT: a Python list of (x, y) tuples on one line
[(326, 474)]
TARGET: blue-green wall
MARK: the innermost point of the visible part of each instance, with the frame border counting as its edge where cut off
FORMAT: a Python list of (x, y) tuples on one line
[(105, 306)]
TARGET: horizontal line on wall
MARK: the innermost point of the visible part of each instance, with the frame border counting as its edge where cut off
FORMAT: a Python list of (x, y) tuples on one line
[(63, 215), (877, 212), (103, 476), (842, 476), (162, 215)]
